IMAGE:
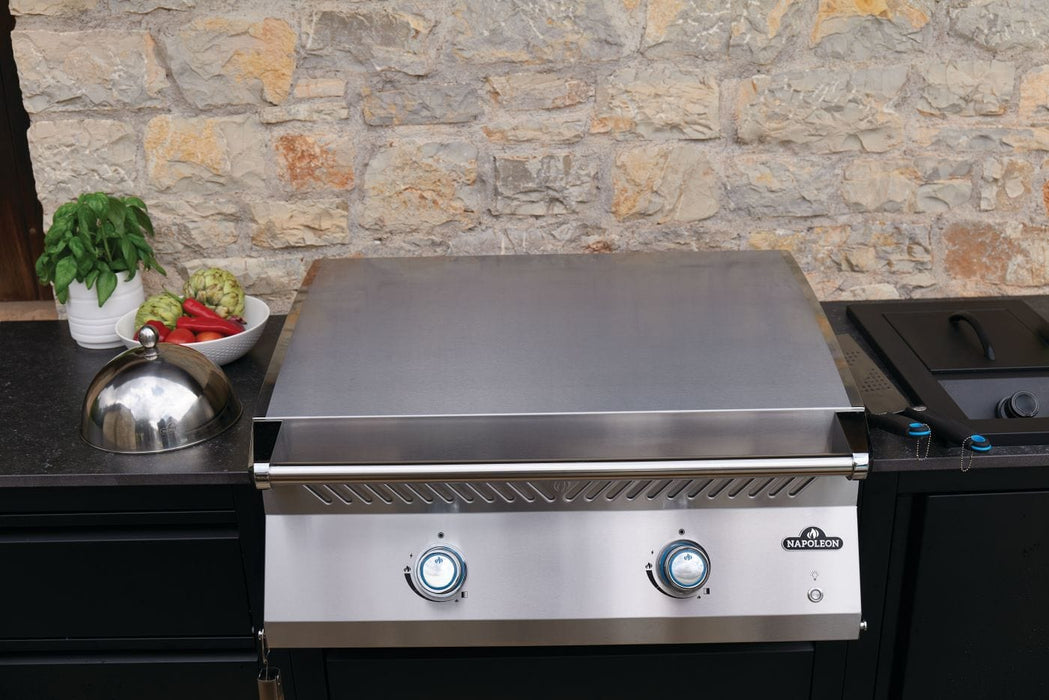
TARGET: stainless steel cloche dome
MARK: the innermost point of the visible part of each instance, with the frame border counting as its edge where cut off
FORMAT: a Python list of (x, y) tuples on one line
[(156, 398)]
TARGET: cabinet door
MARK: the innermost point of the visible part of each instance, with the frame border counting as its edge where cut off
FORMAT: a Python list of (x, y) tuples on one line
[(979, 625), (127, 575)]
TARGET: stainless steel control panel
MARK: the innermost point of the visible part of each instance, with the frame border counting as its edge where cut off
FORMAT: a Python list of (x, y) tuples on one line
[(444, 579)]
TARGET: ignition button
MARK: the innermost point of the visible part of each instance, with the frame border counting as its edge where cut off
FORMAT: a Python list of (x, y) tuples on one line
[(815, 595)]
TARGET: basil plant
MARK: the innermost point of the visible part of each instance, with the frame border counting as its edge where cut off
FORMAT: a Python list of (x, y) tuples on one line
[(92, 240)]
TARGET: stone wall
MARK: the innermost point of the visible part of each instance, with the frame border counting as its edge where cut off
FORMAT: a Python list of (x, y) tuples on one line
[(896, 147)]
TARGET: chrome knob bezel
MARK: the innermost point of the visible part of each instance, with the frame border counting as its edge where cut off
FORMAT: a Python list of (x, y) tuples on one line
[(664, 577), (443, 593)]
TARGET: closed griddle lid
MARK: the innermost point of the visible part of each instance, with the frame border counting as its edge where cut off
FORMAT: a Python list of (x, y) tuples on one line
[(509, 358)]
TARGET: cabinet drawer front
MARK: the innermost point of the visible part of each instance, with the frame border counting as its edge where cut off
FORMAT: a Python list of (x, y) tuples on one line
[(780, 671), (128, 677), (160, 581)]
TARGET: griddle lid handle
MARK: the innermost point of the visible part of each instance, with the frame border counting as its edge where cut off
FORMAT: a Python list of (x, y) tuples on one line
[(981, 334), (271, 475)]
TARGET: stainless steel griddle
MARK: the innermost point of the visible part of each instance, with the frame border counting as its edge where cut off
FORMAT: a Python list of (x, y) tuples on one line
[(634, 448)]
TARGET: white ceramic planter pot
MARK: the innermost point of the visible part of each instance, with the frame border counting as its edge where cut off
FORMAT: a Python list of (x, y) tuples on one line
[(95, 327)]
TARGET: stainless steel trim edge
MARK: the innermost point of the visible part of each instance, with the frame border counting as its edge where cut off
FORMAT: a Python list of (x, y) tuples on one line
[(749, 492), (556, 437), (459, 633), (854, 428), (294, 475), (284, 340), (847, 380)]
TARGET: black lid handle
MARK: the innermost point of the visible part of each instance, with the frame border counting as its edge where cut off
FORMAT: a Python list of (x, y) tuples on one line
[(985, 342)]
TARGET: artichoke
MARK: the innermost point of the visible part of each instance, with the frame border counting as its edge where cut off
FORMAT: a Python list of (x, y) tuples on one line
[(161, 307), (217, 289)]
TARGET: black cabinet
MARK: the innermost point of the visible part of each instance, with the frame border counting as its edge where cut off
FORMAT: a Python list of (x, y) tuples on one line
[(978, 622), (960, 603), (129, 592)]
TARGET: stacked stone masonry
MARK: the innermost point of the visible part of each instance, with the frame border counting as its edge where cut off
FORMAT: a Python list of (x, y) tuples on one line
[(895, 147)]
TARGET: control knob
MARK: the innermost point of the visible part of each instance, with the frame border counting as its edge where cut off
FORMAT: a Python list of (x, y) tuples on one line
[(1021, 404), (439, 573), (683, 568)]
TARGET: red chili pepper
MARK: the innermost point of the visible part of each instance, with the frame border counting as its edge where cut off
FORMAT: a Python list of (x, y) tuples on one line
[(219, 325), (162, 330), (194, 308)]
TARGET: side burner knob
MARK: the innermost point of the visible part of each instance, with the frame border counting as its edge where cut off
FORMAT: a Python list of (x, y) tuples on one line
[(683, 568), (1022, 404), (439, 573)]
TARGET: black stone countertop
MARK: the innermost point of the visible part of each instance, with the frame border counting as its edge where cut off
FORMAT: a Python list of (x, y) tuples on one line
[(43, 378), (894, 453)]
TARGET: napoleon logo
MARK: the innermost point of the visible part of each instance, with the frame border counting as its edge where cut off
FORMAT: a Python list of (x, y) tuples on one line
[(812, 538)]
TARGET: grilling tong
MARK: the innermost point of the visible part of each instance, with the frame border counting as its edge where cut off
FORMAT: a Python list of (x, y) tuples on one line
[(890, 410)]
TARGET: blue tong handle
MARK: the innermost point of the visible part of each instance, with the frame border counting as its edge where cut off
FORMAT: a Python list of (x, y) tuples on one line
[(901, 425), (950, 431)]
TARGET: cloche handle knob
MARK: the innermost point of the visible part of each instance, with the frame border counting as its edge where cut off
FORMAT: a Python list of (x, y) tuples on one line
[(148, 336)]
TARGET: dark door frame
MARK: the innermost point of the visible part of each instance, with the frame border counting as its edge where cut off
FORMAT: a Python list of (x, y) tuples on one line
[(21, 226)]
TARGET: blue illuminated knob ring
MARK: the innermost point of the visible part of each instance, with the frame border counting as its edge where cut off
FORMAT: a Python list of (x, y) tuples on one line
[(439, 573), (683, 567)]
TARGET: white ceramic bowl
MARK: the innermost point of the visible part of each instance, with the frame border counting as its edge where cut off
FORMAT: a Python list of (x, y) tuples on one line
[(223, 350)]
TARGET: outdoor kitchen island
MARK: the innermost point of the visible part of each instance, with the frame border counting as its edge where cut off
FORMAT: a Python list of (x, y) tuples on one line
[(954, 554), (124, 576), (141, 576)]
